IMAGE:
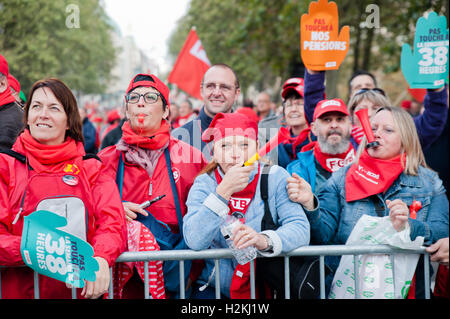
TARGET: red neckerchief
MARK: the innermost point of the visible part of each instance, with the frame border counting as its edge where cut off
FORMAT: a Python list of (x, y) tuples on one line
[(357, 134), (370, 176), (154, 142), (330, 162), (48, 157), (297, 140), (6, 97), (240, 201)]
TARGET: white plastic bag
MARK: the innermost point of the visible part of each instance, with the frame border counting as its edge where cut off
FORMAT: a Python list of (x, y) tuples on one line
[(375, 271)]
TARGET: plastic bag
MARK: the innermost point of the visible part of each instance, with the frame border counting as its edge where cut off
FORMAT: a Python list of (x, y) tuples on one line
[(376, 274)]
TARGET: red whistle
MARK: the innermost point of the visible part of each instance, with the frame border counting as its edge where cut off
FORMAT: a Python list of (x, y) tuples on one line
[(363, 116), (141, 118), (414, 208)]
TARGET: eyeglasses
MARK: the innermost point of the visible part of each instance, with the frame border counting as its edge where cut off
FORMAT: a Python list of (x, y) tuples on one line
[(377, 90), (149, 97), (224, 88), (292, 103)]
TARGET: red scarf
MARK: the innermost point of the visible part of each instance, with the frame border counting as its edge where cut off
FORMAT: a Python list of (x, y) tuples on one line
[(44, 157), (330, 162), (370, 176), (139, 238), (240, 201), (6, 97), (154, 142), (238, 204), (297, 140)]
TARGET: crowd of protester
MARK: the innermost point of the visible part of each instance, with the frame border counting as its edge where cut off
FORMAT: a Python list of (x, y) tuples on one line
[(192, 162)]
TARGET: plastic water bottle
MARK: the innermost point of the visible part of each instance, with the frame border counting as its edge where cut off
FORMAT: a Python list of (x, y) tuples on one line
[(244, 255)]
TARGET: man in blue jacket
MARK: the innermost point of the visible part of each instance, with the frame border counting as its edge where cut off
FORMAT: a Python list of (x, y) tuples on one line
[(220, 91), (332, 150), (89, 133)]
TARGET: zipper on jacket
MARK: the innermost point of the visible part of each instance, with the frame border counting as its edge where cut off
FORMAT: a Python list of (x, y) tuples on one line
[(209, 280), (21, 206)]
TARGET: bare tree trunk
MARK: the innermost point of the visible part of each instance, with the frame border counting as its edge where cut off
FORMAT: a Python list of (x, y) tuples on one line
[(331, 78), (356, 48), (368, 49)]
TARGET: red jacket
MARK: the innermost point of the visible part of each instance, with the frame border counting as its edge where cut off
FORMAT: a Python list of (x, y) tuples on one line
[(186, 164), (104, 216)]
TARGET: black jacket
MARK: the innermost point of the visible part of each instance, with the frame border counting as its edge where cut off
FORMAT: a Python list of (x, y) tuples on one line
[(113, 136), (191, 133), (11, 124)]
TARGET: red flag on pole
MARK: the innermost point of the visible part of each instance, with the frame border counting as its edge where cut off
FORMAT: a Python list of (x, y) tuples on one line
[(190, 66)]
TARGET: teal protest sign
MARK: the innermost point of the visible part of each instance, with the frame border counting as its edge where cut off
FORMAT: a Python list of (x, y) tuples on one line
[(56, 253), (427, 67)]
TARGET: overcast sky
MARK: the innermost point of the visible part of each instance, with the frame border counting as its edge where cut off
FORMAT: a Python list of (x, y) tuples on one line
[(150, 22)]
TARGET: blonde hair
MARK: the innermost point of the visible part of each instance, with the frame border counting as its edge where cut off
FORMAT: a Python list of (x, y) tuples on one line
[(376, 98), (409, 140)]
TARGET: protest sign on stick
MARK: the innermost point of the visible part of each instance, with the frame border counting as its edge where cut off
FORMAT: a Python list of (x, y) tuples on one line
[(427, 66), (56, 253), (323, 47)]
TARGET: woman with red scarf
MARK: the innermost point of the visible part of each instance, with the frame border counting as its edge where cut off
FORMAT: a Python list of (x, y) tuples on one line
[(48, 161), (383, 180), (148, 163)]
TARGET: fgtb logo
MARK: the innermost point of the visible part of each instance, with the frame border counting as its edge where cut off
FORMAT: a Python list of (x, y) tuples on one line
[(336, 163), (239, 203)]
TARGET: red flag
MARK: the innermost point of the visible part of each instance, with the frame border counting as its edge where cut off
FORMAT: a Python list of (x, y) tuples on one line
[(190, 66)]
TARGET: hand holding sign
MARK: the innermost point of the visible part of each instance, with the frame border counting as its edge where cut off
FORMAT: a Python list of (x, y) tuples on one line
[(55, 253), (427, 67), (322, 46)]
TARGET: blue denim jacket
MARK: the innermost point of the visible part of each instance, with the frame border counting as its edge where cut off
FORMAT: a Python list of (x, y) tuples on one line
[(334, 218)]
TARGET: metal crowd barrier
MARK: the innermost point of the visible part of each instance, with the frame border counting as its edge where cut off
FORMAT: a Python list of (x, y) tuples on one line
[(217, 254)]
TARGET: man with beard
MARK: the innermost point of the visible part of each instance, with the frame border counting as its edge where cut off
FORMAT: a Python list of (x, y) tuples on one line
[(332, 150), (220, 91)]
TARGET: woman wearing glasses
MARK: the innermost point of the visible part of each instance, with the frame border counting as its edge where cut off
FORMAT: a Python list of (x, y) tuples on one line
[(293, 115), (429, 124), (148, 163)]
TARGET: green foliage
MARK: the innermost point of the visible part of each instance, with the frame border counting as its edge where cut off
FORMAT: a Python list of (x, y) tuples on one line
[(260, 39), (37, 42)]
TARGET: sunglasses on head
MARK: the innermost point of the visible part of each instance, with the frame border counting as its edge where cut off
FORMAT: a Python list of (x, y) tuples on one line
[(377, 90)]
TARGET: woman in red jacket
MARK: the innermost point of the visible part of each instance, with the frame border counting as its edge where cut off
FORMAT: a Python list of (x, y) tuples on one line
[(148, 163), (47, 169)]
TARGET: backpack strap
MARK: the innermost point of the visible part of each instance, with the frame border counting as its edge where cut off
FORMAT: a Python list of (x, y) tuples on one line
[(90, 155), (174, 190), (267, 222), (20, 157), (119, 174)]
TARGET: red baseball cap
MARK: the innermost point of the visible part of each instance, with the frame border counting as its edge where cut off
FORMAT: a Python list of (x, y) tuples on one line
[(112, 116), (325, 106), (156, 84), (230, 124), (293, 84), (4, 68)]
